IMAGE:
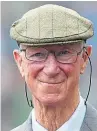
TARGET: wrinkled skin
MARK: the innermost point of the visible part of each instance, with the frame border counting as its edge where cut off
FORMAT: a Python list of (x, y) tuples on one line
[(52, 83)]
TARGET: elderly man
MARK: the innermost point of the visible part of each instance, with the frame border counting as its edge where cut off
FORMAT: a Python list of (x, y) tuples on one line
[(52, 54)]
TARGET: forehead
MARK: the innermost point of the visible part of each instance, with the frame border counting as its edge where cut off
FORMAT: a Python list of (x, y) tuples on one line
[(56, 47)]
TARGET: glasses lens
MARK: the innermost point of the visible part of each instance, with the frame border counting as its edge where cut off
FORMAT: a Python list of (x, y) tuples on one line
[(40, 54), (66, 56), (36, 54)]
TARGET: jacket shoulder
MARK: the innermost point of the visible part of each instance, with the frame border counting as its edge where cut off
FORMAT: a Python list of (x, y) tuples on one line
[(90, 120), (26, 126), (20, 128)]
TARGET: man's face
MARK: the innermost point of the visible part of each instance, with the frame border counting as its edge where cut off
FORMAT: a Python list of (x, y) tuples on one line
[(50, 81)]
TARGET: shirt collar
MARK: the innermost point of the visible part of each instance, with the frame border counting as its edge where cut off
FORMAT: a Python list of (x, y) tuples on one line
[(73, 123)]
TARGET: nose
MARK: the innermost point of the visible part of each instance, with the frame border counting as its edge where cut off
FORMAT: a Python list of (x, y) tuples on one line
[(51, 67)]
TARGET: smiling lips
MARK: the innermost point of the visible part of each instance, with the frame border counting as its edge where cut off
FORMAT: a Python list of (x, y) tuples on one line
[(51, 83)]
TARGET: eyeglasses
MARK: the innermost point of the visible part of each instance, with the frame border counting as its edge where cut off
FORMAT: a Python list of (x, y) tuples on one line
[(64, 55)]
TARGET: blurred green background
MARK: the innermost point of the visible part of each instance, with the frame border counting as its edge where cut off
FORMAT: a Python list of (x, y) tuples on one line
[(14, 108)]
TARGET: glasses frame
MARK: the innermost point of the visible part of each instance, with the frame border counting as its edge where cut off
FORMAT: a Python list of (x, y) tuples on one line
[(53, 52)]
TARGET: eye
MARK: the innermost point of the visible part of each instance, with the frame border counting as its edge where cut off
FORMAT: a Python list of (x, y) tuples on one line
[(64, 52), (38, 54)]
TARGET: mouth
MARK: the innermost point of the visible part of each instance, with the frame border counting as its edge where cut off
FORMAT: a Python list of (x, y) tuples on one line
[(51, 87), (51, 83)]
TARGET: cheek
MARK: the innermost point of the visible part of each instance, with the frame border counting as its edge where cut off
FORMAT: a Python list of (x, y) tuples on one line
[(72, 72), (73, 69), (31, 72), (68, 69)]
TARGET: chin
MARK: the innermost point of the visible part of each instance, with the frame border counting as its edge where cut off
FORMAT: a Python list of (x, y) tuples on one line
[(51, 100)]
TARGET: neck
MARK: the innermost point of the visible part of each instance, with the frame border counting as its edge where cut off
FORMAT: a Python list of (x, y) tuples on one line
[(53, 117)]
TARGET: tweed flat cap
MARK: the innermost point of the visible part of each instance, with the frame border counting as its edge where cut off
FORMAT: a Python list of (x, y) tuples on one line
[(51, 24)]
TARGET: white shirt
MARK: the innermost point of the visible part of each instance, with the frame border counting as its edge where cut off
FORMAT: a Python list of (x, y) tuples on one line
[(73, 123)]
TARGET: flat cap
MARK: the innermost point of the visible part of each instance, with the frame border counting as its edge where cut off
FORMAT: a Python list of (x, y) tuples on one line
[(51, 24)]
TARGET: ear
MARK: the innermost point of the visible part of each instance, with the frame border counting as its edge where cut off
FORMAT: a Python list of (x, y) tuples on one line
[(86, 53), (18, 60)]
